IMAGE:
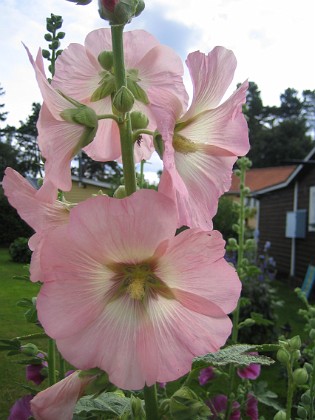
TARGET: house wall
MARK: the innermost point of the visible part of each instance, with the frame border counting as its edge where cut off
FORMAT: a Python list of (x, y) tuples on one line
[(272, 226), (305, 248), (80, 193)]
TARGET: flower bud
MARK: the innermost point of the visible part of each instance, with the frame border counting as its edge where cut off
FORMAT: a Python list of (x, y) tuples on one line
[(120, 192), (295, 342), (300, 376), (138, 120), (306, 398), (280, 416), (120, 12), (312, 334), (296, 354), (308, 367), (302, 413), (106, 59), (158, 144), (30, 349), (283, 356), (123, 100)]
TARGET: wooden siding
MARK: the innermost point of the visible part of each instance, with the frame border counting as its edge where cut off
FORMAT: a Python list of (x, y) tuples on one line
[(272, 224), (305, 247), (78, 194)]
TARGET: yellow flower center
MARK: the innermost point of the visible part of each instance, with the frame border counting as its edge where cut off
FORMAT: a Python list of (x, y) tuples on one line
[(138, 281), (183, 145)]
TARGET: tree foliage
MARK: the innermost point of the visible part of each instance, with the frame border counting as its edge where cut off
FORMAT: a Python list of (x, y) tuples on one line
[(279, 134)]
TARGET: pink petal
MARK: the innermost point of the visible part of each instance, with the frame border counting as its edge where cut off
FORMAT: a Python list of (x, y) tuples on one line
[(211, 75), (58, 401)]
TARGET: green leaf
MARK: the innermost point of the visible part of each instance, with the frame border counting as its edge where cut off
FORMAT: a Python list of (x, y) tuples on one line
[(260, 320), (265, 396), (237, 354), (186, 405), (14, 345), (112, 403)]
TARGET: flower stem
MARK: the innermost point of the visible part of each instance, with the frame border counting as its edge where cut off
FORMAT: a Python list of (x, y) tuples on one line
[(151, 405), (51, 361), (290, 392), (124, 123)]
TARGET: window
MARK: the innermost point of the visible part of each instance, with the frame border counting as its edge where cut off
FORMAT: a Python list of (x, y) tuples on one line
[(311, 213)]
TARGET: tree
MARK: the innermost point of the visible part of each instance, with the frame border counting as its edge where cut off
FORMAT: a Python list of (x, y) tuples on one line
[(279, 134)]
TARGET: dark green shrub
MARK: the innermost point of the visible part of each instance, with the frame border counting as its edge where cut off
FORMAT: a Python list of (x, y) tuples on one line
[(226, 217), (19, 250)]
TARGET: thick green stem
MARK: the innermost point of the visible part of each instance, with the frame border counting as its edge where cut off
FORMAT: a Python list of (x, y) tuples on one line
[(312, 389), (290, 392), (151, 404), (51, 362), (236, 313), (124, 124), (62, 367)]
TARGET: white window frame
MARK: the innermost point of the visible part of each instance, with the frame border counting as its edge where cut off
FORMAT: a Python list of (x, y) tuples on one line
[(311, 210)]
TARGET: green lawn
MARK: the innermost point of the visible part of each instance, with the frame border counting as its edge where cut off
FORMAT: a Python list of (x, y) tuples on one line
[(13, 323)]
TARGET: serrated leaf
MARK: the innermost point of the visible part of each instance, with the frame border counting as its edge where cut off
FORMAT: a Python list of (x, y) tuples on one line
[(237, 354), (106, 403), (265, 396)]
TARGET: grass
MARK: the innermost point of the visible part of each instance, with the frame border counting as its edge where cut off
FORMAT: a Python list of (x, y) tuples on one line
[(13, 323)]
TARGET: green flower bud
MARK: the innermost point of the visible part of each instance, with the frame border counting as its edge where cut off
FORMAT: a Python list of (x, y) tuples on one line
[(296, 354), (46, 54), (48, 37), (312, 334), (138, 120), (106, 59), (306, 398), (123, 100), (140, 7), (302, 413), (120, 192), (280, 416), (283, 356), (119, 12), (295, 342), (300, 376), (30, 349), (61, 35), (308, 367)]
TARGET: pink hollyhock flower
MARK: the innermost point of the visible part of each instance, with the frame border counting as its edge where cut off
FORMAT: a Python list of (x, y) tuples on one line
[(21, 410), (152, 70), (64, 128), (38, 208), (251, 371), (252, 407), (59, 400), (206, 375), (202, 146), (218, 404), (123, 294), (34, 372)]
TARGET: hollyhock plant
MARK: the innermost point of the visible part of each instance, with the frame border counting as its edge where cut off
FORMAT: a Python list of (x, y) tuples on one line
[(58, 401), (38, 208), (218, 404), (252, 407), (251, 371), (202, 145), (86, 74), (34, 371), (206, 375), (21, 410), (123, 294), (64, 127)]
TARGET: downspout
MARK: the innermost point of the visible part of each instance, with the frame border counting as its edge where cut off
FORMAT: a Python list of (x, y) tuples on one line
[(293, 240)]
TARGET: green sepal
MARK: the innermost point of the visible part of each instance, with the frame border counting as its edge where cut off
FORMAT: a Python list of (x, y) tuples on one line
[(137, 91), (106, 88), (83, 115), (158, 144), (106, 59)]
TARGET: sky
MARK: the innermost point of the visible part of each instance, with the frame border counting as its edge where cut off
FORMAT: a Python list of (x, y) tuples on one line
[(273, 41)]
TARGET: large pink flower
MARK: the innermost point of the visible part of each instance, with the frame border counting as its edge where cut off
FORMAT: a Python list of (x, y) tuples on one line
[(150, 67), (202, 146), (38, 208), (123, 294), (58, 401), (60, 139)]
